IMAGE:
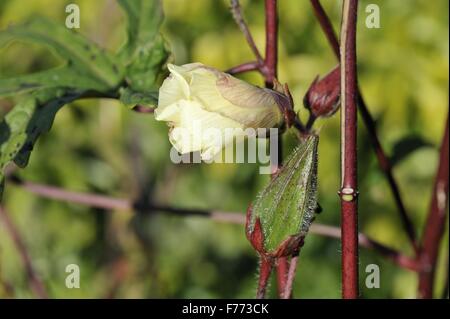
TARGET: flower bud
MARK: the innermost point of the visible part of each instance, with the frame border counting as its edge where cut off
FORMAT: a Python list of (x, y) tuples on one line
[(196, 98), (323, 96), (279, 218)]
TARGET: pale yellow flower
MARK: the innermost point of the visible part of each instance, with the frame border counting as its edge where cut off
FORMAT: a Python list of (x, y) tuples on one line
[(197, 100)]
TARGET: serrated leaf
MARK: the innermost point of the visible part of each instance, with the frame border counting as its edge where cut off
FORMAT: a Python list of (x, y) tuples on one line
[(287, 205), (132, 98), (29, 118), (86, 57), (145, 53)]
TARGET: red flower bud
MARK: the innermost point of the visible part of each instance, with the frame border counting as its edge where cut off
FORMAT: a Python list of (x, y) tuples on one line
[(323, 96)]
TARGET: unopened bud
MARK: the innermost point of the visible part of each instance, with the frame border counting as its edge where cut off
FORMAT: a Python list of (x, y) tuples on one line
[(280, 217), (323, 96)]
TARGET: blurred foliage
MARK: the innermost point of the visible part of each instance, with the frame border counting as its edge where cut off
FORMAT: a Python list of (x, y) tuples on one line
[(100, 146), (89, 71)]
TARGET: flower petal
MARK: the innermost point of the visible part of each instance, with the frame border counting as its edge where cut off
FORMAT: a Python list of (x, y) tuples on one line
[(176, 86), (201, 130), (234, 99)]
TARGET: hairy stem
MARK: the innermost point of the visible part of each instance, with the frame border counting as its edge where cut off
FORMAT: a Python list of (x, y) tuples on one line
[(282, 268), (287, 293), (348, 191), (265, 269)]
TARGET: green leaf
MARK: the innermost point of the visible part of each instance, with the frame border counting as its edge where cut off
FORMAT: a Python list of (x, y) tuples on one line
[(65, 76), (29, 118), (406, 147), (131, 98), (287, 205), (145, 53), (144, 20), (137, 70), (80, 53)]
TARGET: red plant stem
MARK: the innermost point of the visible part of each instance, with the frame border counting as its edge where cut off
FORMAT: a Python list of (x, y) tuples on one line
[(444, 294), (237, 15), (271, 58), (327, 27), (245, 67), (348, 192), (383, 160), (264, 274), (435, 224), (108, 203), (366, 242), (143, 109), (282, 268), (34, 282), (287, 293), (270, 73)]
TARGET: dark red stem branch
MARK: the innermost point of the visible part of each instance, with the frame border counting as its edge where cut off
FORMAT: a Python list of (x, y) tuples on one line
[(349, 190), (270, 73), (34, 282), (245, 67), (326, 25), (287, 293), (271, 58), (382, 158), (237, 15), (435, 224), (282, 268), (264, 274)]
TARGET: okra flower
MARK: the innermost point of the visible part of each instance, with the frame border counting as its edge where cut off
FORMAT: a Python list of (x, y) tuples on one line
[(203, 105)]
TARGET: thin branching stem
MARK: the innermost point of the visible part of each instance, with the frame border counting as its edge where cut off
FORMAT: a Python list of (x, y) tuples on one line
[(109, 203), (435, 224), (238, 17), (33, 279), (244, 67)]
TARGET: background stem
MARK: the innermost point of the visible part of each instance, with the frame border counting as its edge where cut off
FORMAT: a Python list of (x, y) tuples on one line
[(34, 282), (435, 224), (110, 203)]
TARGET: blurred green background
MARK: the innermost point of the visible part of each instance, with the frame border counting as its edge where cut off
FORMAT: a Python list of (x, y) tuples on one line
[(100, 146)]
